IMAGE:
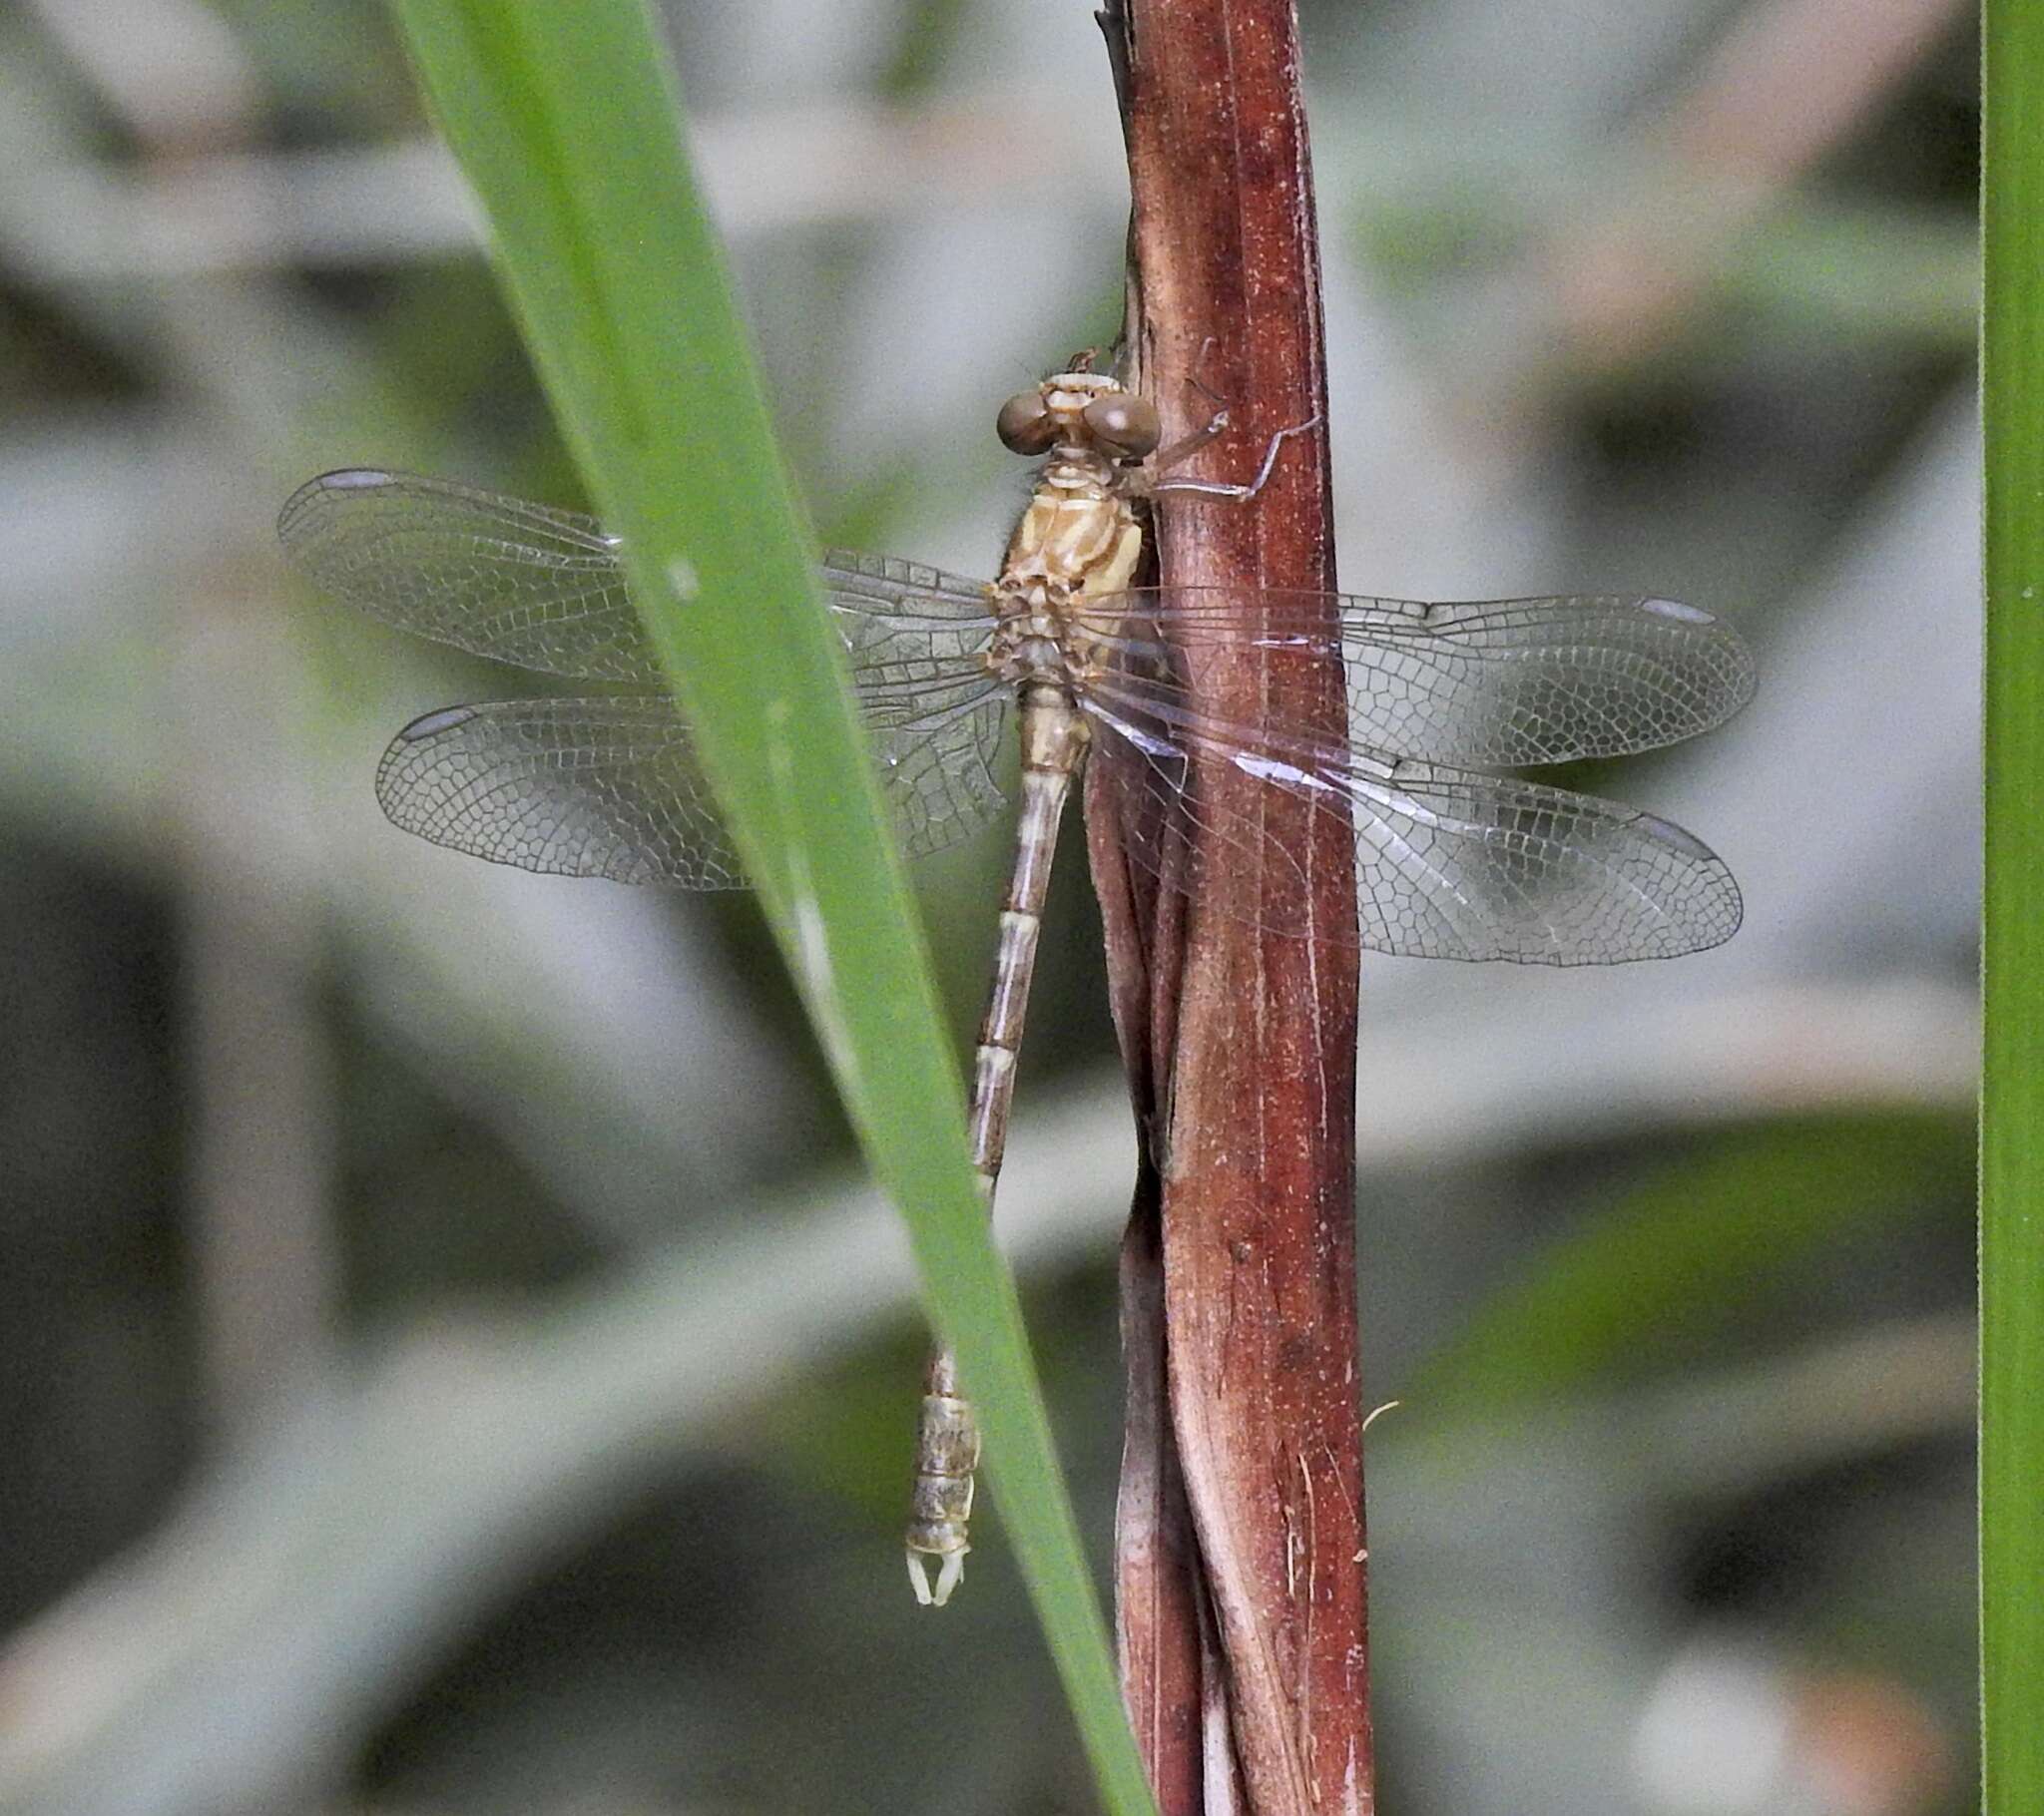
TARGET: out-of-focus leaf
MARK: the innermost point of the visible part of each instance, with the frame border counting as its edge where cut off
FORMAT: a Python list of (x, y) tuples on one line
[(1683, 1251)]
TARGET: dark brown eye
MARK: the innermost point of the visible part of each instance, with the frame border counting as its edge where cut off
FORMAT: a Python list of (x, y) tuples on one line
[(1025, 424), (1123, 425)]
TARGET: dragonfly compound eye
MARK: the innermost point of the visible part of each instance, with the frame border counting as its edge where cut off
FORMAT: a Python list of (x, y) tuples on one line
[(1125, 425), (1026, 424)]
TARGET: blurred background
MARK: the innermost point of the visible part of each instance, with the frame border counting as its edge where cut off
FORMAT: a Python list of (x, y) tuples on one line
[(449, 1359)]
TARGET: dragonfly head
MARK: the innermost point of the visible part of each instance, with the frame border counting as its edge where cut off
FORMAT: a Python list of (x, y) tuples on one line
[(1085, 412)]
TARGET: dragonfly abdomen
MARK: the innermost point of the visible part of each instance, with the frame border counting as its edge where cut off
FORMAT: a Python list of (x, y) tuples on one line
[(947, 1441)]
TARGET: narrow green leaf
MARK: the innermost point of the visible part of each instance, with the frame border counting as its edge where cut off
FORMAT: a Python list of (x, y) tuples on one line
[(565, 119), (2012, 1062)]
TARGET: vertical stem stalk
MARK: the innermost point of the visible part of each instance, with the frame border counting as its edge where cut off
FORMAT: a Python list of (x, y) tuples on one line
[(1240, 1553)]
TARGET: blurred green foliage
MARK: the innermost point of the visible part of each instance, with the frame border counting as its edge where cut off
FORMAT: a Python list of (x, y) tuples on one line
[(1655, 1283)]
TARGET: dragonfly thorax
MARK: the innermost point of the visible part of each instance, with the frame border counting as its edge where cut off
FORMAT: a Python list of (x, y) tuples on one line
[(1078, 536), (1074, 546)]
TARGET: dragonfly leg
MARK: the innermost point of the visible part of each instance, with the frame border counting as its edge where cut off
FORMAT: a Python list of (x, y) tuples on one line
[(1186, 445), (1189, 445), (1207, 488)]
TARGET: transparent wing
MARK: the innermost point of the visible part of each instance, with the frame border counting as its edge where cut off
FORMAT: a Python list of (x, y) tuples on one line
[(909, 599), (537, 587), (1449, 863), (542, 588), (941, 772), (1495, 683), (610, 788), (567, 788), (916, 639)]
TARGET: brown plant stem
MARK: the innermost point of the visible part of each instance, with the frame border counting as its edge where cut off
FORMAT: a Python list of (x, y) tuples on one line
[(1240, 1543)]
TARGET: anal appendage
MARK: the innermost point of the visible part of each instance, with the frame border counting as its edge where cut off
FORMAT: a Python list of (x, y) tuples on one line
[(951, 1573)]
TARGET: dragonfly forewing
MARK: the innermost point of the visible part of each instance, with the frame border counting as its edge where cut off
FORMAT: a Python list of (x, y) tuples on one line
[(1490, 683), (545, 590), (519, 582)]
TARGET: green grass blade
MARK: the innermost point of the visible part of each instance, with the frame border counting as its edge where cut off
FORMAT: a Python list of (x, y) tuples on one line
[(2012, 1062), (565, 119)]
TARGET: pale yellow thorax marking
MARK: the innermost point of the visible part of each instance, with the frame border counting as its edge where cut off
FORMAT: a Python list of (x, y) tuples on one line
[(1076, 540)]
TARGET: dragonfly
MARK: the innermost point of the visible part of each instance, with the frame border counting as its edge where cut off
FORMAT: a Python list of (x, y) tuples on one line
[(1455, 856)]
